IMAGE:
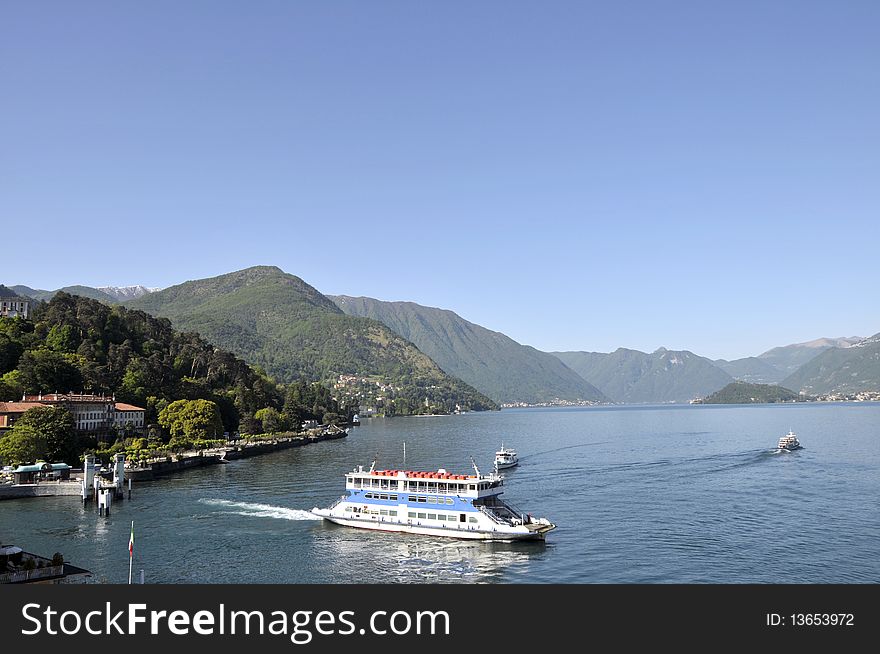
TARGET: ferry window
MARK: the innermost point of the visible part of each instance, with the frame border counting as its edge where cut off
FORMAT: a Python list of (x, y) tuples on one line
[(421, 500), (393, 498), (472, 519), (411, 514), (357, 483), (449, 500), (392, 513), (422, 516), (432, 500), (383, 511), (462, 517), (473, 487), (383, 497), (432, 516)]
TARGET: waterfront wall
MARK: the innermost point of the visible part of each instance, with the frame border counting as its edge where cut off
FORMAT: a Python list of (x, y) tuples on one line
[(46, 489)]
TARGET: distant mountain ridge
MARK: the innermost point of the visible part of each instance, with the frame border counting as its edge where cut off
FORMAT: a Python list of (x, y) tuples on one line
[(492, 362), (277, 321), (661, 376), (751, 369), (840, 369), (487, 360), (125, 293), (82, 291), (107, 294), (791, 357)]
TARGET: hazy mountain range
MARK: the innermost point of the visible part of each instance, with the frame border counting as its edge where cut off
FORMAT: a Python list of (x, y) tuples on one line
[(661, 376), (277, 321), (489, 361), (775, 365), (840, 369)]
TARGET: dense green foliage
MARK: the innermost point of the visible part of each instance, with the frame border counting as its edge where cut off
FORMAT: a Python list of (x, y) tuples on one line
[(43, 433), (192, 420), (77, 344), (288, 328), (489, 361), (739, 392), (633, 376)]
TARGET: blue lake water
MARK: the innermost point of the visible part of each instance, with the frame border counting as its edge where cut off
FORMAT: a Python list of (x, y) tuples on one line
[(653, 494)]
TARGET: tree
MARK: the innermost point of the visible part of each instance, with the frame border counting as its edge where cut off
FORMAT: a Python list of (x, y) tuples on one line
[(22, 444), (192, 419), (10, 352), (56, 425), (270, 420), (63, 338), (10, 386), (45, 370)]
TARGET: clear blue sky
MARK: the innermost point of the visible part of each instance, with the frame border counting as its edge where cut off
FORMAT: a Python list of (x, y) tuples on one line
[(576, 175)]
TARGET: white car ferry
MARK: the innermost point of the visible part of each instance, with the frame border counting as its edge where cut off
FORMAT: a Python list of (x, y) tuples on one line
[(432, 503)]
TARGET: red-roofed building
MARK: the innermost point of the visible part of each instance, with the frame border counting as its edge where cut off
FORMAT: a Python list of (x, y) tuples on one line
[(96, 415), (12, 411), (128, 415)]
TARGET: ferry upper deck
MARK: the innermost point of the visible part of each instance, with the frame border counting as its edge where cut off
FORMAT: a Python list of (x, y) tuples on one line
[(412, 481)]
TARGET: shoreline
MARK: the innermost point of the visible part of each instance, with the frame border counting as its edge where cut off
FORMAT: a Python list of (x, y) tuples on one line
[(185, 461)]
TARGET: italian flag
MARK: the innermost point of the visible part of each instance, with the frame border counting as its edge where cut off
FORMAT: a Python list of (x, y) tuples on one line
[(131, 541)]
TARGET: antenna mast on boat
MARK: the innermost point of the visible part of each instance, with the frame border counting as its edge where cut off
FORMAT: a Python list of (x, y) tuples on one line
[(474, 464)]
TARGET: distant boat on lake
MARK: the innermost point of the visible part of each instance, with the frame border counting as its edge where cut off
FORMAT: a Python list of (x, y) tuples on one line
[(789, 442)]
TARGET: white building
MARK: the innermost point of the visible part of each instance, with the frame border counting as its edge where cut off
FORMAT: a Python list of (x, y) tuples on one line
[(98, 415), (12, 307)]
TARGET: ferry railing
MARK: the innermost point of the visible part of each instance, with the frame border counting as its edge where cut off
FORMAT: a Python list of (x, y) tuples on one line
[(492, 516), (342, 498), (22, 576)]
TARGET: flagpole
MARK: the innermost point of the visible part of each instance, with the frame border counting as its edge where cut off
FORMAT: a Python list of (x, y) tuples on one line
[(130, 551)]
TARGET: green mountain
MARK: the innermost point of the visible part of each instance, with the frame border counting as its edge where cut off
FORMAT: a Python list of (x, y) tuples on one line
[(73, 343), (751, 369), (739, 392), (633, 376), (279, 322), (489, 361), (789, 358), (840, 369), (82, 291)]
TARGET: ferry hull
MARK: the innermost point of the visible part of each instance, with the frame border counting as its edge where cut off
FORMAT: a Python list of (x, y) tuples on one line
[(532, 532)]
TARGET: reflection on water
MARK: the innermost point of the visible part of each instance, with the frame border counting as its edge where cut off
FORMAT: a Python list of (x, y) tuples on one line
[(379, 557)]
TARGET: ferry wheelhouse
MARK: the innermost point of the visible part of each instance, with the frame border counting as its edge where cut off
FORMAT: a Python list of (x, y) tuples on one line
[(432, 503)]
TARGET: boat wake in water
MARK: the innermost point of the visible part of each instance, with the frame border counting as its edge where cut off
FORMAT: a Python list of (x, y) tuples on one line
[(261, 510)]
